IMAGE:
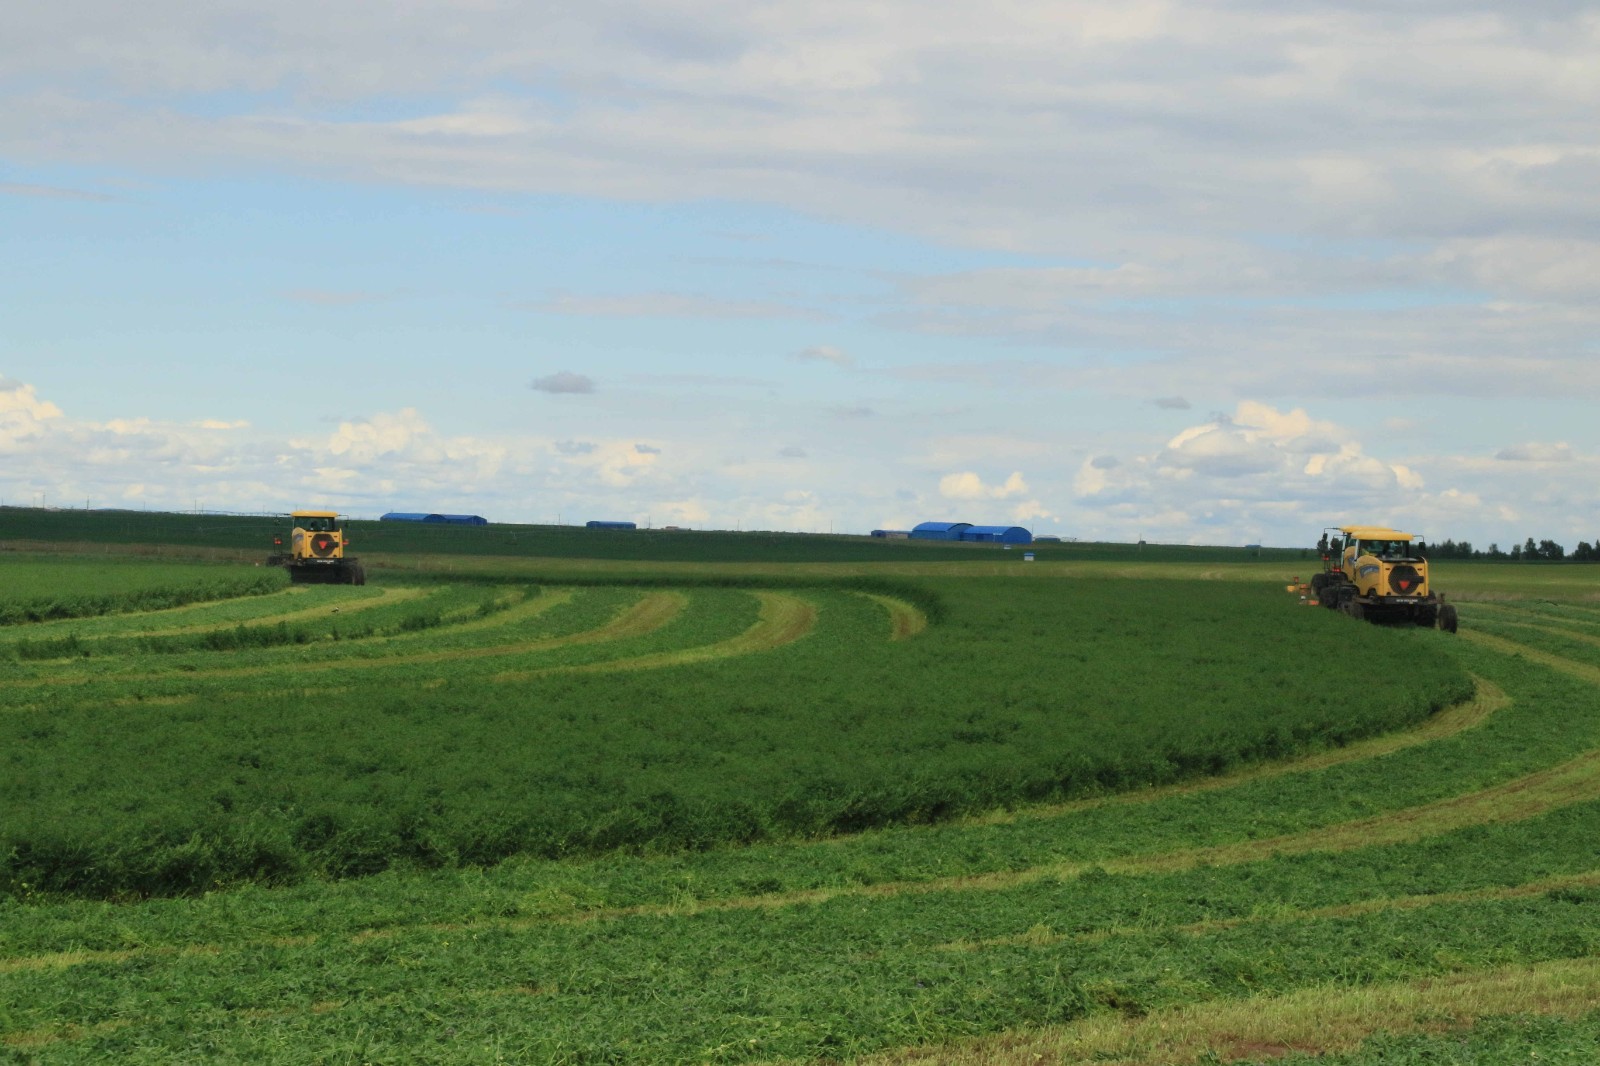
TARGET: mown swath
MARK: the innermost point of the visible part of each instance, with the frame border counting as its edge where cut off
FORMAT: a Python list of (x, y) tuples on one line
[(1264, 1028), (784, 619)]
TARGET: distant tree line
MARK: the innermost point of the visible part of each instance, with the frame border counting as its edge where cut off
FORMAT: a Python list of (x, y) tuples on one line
[(1528, 551)]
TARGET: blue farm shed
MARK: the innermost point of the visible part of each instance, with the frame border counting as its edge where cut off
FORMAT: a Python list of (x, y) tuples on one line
[(940, 530), (602, 524), (447, 519), (997, 535)]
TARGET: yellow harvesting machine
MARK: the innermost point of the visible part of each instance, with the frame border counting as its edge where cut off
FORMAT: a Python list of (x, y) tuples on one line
[(1379, 574), (317, 551)]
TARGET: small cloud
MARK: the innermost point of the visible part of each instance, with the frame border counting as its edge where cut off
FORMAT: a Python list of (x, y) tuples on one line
[(825, 353), (854, 412), (218, 423), (1171, 403), (645, 449), (563, 381), (969, 486), (793, 451), (574, 447), (1536, 453)]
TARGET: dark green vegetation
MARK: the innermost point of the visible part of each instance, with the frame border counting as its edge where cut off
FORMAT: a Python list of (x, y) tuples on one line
[(254, 534), (334, 732), (1472, 852), (36, 590)]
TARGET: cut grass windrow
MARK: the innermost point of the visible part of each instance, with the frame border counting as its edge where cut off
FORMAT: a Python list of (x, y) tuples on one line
[(375, 598), (905, 620), (1043, 937), (1579, 670), (783, 619), (1314, 1020)]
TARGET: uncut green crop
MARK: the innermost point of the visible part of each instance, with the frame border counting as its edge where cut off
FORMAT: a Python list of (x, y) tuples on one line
[(34, 590), (189, 769)]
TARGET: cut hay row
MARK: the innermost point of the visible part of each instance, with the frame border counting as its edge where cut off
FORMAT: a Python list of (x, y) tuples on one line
[(905, 620), (783, 619), (1265, 1028)]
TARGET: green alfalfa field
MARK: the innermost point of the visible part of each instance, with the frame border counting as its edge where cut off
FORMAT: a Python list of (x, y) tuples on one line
[(546, 809)]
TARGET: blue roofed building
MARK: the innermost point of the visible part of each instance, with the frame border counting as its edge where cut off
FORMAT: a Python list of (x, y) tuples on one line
[(446, 519), (940, 530), (997, 535)]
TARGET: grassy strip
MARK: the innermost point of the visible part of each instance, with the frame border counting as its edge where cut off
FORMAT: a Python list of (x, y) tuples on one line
[(1486, 700), (1550, 853), (829, 981), (1312, 1021), (43, 592)]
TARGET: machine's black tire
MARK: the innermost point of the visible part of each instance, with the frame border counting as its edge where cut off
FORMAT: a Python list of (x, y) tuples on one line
[(1319, 582), (1328, 597), (1426, 616), (1447, 618), (1352, 608), (358, 575)]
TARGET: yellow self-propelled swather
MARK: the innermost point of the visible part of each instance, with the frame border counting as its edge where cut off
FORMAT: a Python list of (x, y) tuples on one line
[(1379, 574), (317, 551)]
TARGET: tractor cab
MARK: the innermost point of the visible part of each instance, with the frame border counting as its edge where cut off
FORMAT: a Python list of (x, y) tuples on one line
[(316, 535), (316, 550)]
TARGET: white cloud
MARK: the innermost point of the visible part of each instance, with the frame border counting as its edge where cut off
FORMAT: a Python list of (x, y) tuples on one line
[(966, 485), (562, 382), (23, 416)]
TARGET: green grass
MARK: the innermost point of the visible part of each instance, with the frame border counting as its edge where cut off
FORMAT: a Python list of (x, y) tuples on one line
[(1402, 869), (35, 590)]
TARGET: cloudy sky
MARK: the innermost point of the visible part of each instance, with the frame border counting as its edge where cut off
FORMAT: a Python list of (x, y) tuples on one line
[(1212, 272)]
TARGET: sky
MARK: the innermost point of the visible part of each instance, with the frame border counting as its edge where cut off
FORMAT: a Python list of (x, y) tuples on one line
[(1217, 272)]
